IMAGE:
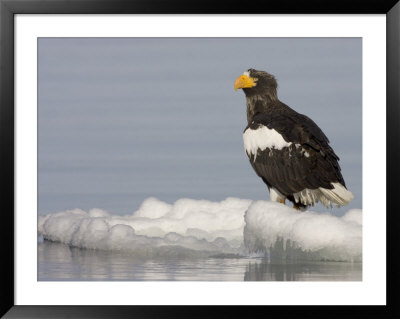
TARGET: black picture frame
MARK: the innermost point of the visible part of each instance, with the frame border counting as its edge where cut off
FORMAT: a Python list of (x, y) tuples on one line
[(8, 8)]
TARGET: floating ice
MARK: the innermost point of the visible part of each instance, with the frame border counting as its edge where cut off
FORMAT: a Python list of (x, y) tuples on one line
[(191, 228), (280, 231), (187, 228)]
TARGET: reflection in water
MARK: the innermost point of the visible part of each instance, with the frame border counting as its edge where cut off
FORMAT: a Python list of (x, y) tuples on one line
[(307, 271), (59, 262)]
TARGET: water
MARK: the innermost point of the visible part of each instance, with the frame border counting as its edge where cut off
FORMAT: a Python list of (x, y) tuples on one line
[(60, 262), (124, 119)]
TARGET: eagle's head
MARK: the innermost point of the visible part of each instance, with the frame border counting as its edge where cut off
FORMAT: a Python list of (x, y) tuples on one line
[(254, 82)]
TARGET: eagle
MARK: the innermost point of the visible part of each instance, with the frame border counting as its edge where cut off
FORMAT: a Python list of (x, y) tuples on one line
[(287, 149)]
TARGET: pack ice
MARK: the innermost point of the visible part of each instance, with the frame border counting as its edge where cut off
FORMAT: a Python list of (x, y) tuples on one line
[(200, 228)]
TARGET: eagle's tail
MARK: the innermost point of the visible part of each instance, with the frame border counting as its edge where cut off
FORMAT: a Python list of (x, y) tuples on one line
[(338, 195)]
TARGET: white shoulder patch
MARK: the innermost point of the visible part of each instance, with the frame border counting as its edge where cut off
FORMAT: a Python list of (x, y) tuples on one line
[(262, 138)]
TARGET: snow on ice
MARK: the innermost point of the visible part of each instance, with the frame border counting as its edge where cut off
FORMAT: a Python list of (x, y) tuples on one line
[(191, 228), (276, 229)]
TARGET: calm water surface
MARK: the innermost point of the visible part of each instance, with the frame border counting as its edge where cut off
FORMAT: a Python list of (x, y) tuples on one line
[(59, 262)]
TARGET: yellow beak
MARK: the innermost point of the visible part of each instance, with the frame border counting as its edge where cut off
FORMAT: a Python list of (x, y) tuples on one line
[(243, 82)]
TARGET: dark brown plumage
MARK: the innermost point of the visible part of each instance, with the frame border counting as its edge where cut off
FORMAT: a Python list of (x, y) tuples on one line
[(287, 149)]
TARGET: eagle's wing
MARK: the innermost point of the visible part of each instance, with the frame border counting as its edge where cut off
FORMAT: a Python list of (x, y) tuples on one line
[(303, 161)]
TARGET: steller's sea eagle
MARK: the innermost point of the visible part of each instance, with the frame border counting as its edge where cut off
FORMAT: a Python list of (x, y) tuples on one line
[(287, 149)]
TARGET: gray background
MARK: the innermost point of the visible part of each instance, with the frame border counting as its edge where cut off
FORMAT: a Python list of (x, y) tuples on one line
[(123, 119)]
